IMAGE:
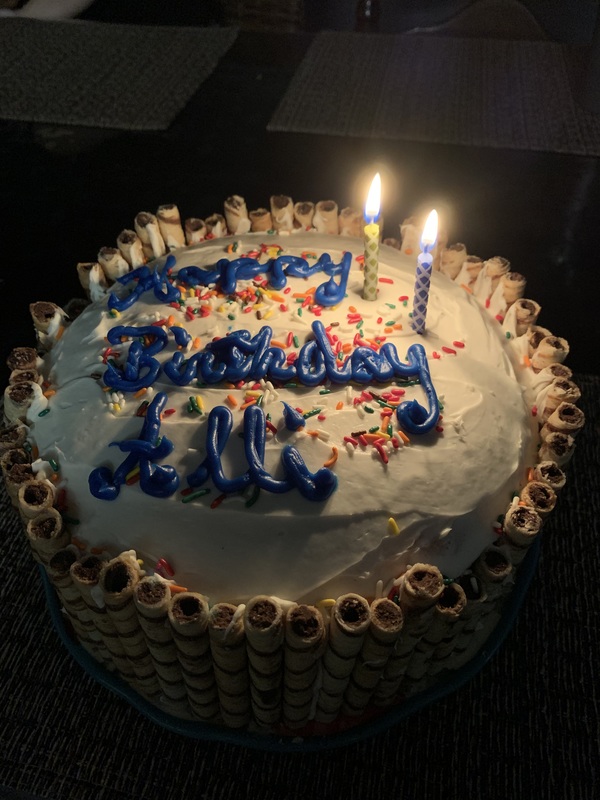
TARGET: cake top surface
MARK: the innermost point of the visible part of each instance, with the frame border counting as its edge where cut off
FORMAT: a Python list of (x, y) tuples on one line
[(328, 490)]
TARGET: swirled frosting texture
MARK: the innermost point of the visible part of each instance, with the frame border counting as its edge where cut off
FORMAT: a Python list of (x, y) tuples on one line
[(444, 489)]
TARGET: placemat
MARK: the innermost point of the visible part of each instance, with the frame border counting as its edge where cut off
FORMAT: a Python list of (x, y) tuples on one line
[(526, 725), (477, 92), (130, 77)]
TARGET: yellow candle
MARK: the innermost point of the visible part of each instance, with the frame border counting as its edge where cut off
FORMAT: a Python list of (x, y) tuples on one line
[(371, 240)]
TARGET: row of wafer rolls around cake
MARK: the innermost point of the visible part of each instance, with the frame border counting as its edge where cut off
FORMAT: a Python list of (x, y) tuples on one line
[(271, 663), (499, 288)]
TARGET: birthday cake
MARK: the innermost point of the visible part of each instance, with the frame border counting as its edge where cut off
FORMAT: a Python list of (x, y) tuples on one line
[(265, 500)]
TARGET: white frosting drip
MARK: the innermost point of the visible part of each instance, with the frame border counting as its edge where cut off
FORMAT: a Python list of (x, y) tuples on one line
[(444, 491)]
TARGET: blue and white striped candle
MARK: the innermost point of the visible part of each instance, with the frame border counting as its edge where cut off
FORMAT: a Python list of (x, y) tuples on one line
[(423, 273)]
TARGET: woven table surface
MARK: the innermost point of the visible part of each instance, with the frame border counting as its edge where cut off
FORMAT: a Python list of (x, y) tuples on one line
[(527, 724), (129, 77), (475, 92)]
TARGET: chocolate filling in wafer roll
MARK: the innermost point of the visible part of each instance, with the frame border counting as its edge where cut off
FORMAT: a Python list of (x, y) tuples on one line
[(303, 214), (45, 315), (513, 287), (12, 438), (25, 375), (521, 525), (34, 497), (350, 222), (535, 334), (493, 565), (282, 212), (539, 496), (20, 397), (557, 447), (22, 358), (216, 225), (422, 586), (47, 534), (452, 259), (325, 219), (16, 470), (236, 215), (169, 223), (112, 263), (555, 372), (566, 419), (559, 391), (260, 220), (550, 349), (549, 472), (526, 314), (195, 230), (146, 227), (130, 247)]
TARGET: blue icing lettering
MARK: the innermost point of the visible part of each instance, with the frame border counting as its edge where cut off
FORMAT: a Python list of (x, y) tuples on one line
[(317, 486), (156, 480)]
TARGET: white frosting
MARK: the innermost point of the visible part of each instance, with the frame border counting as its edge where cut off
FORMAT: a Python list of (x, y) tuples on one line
[(444, 490)]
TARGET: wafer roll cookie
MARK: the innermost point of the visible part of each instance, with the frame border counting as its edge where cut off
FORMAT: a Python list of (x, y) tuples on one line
[(513, 287), (230, 662), (85, 575), (152, 597), (23, 401), (348, 625), (169, 224), (305, 639), (446, 614), (386, 624), (35, 497), (48, 321), (521, 526), (282, 213), (112, 263), (495, 269), (304, 214), (97, 285), (20, 375), (59, 572), (47, 534), (452, 258), (117, 581), (539, 496), (260, 220), (559, 391), (13, 437), (350, 222), (566, 419), (458, 637), (216, 226), (195, 230), (188, 617), (550, 473), (146, 227), (325, 219), (550, 350), (84, 269), (557, 447), (16, 470), (130, 247), (526, 314), (420, 588), (264, 627), (439, 247), (236, 215), (22, 358)]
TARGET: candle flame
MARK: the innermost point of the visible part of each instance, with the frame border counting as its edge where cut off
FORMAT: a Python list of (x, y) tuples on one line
[(430, 230), (373, 199)]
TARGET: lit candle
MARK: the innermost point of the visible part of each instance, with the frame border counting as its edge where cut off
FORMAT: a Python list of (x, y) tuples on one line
[(371, 233), (423, 274)]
